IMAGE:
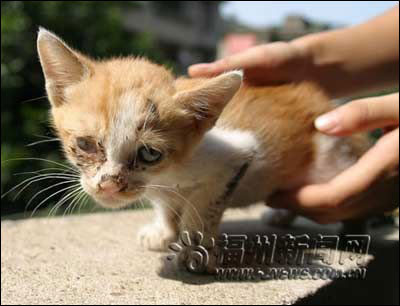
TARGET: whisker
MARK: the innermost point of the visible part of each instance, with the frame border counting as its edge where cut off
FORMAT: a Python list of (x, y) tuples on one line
[(49, 197), (63, 171), (70, 205), (65, 198), (82, 196), (80, 201), (141, 203), (50, 187), (34, 99), (41, 159), (42, 136), (83, 203), (93, 208), (42, 141), (174, 211), (32, 180), (170, 189)]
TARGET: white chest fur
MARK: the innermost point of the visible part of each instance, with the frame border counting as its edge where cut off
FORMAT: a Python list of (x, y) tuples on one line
[(215, 162)]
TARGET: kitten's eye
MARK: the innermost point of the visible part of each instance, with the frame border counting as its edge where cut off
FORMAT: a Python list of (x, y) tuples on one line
[(86, 144), (149, 155)]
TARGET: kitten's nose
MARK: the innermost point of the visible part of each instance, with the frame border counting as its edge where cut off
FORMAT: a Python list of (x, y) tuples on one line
[(111, 184), (109, 187)]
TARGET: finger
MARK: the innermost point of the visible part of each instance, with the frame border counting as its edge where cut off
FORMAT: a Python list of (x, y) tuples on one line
[(288, 200), (380, 198), (361, 115), (318, 214), (246, 59), (285, 200), (201, 70), (383, 157)]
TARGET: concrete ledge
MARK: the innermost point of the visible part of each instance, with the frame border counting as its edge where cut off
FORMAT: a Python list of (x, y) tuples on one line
[(95, 259)]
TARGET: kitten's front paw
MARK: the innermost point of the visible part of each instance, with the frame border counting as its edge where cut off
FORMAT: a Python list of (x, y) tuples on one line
[(156, 237)]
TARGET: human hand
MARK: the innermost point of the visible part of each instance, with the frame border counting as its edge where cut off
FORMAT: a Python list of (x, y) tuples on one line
[(372, 184), (265, 64)]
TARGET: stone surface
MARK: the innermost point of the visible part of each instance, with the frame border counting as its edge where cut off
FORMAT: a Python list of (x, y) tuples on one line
[(95, 259)]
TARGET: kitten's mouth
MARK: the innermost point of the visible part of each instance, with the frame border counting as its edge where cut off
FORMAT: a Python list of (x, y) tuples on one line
[(117, 200), (120, 199)]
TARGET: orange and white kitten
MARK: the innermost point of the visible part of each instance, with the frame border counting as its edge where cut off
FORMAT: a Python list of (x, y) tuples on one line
[(193, 147)]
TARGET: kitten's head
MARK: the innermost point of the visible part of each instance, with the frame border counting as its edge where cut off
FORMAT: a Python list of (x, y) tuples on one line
[(122, 122)]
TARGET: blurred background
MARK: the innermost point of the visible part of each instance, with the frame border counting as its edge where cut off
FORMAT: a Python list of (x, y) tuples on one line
[(174, 33)]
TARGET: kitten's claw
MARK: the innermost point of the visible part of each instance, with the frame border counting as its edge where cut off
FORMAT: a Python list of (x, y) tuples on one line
[(155, 237)]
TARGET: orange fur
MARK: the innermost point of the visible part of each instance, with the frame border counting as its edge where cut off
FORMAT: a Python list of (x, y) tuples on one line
[(282, 117)]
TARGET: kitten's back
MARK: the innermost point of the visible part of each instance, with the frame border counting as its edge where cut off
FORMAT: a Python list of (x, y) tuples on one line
[(282, 119)]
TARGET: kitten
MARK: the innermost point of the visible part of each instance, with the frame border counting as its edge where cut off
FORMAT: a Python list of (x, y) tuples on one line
[(193, 147)]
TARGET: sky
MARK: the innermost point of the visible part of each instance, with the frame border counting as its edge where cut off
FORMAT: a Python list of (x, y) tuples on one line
[(339, 13)]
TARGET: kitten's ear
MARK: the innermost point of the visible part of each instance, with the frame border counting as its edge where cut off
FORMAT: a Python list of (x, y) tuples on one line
[(205, 103), (61, 65)]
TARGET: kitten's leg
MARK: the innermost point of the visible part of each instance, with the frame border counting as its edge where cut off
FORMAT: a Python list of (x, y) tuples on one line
[(205, 220), (157, 235)]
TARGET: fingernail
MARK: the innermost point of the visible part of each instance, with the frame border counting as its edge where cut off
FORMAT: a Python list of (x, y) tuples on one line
[(200, 66), (327, 122)]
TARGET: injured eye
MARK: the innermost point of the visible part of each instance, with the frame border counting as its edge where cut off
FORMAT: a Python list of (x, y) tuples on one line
[(86, 144), (149, 155)]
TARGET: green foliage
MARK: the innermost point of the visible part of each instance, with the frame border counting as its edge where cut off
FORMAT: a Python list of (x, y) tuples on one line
[(95, 28)]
